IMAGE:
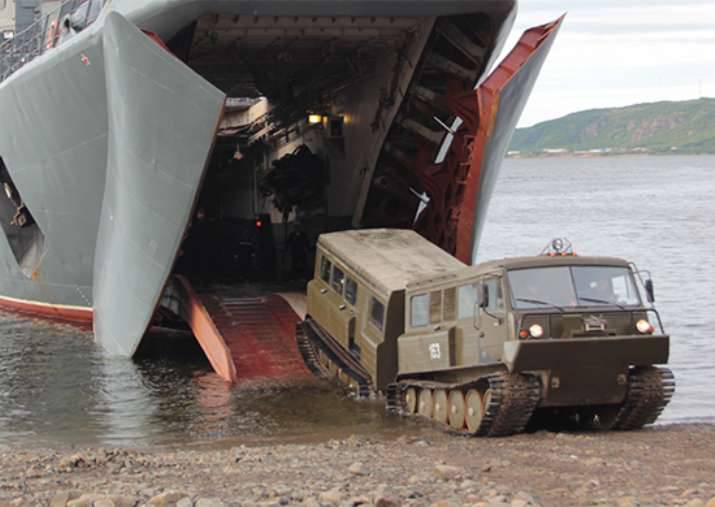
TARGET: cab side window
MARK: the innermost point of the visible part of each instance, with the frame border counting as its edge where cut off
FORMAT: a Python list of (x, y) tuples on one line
[(496, 296), (468, 296), (350, 291), (466, 299), (325, 266), (338, 280), (419, 310), (377, 313)]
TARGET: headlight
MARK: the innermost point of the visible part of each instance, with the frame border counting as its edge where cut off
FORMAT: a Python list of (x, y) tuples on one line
[(644, 327), (536, 331)]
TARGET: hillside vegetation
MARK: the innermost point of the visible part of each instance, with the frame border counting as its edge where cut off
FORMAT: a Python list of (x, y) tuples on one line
[(659, 127)]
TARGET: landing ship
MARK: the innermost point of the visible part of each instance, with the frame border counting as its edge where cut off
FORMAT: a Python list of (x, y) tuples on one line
[(159, 157)]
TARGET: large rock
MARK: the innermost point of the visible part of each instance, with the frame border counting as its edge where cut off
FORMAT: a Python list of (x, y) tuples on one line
[(387, 501), (166, 499), (60, 499), (209, 502), (447, 472), (85, 500), (443, 503), (356, 468), (331, 496)]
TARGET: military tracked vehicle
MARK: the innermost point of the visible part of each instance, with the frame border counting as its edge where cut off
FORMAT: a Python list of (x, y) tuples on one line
[(484, 349)]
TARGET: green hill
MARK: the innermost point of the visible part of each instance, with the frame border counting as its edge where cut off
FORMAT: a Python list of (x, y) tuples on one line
[(659, 127)]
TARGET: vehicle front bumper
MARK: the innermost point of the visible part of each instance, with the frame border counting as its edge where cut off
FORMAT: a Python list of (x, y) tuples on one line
[(584, 371)]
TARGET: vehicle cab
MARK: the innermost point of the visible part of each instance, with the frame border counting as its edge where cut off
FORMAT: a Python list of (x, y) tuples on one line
[(558, 314)]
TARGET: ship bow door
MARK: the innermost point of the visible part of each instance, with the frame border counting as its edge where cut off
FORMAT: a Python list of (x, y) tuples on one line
[(491, 120), (162, 122), (461, 185)]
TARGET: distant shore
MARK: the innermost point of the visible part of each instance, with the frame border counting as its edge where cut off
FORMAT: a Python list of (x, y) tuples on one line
[(662, 465), (577, 154)]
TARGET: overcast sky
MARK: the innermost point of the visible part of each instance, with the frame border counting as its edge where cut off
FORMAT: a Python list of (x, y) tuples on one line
[(620, 52)]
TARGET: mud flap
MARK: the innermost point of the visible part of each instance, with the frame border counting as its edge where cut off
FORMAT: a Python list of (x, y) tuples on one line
[(162, 123)]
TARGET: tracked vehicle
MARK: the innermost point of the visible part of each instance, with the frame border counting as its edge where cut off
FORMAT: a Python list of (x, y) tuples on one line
[(484, 349)]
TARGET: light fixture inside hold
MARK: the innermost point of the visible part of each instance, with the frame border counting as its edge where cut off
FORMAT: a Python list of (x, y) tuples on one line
[(315, 119)]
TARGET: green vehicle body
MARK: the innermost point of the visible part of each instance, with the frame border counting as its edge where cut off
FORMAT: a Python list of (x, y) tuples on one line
[(405, 309)]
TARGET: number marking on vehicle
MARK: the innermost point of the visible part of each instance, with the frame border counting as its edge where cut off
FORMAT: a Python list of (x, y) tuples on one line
[(434, 351)]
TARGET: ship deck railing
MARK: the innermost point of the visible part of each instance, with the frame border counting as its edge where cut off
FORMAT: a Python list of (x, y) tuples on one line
[(45, 33)]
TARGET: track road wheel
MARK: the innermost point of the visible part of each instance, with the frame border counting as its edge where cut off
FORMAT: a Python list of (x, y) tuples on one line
[(425, 403), (411, 400), (456, 409), (474, 410), (486, 400), (441, 408)]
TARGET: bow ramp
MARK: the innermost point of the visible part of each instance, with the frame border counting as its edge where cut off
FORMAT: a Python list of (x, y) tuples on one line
[(244, 336)]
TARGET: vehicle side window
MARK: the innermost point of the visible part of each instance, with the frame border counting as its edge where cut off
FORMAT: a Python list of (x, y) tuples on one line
[(449, 306), (435, 307), (496, 297), (468, 295), (350, 291), (419, 310), (467, 298), (325, 266), (338, 280), (377, 313)]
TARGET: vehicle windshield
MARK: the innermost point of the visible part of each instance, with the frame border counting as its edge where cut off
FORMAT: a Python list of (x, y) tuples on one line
[(567, 286)]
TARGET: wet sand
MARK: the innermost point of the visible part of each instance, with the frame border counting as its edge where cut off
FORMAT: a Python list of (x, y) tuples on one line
[(662, 465)]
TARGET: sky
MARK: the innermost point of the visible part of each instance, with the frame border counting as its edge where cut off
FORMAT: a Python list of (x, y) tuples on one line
[(620, 52)]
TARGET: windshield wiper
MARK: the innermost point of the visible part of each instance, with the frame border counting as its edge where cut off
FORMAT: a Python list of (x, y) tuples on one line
[(601, 301), (539, 302)]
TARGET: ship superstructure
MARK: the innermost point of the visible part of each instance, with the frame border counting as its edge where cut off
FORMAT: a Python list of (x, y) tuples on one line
[(151, 147)]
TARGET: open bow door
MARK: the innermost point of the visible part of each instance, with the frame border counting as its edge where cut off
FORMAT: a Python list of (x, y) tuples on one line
[(442, 189), (460, 187), (162, 123)]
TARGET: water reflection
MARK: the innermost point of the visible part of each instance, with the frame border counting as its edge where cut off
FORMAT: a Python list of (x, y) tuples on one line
[(56, 386)]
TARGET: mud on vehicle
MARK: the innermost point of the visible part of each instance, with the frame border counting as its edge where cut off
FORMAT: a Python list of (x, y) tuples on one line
[(484, 349)]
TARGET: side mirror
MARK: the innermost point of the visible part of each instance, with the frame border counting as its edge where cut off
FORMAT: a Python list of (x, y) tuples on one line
[(484, 296), (649, 290)]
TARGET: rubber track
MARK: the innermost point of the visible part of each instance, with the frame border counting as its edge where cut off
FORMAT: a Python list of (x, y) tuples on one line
[(308, 348), (513, 401), (649, 391)]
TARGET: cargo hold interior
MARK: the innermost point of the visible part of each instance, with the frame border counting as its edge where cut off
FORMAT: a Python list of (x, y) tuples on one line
[(324, 118)]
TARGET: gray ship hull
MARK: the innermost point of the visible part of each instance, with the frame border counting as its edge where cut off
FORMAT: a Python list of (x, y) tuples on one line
[(107, 138)]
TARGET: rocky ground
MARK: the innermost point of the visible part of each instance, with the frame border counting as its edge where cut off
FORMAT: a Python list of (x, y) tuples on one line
[(666, 465)]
